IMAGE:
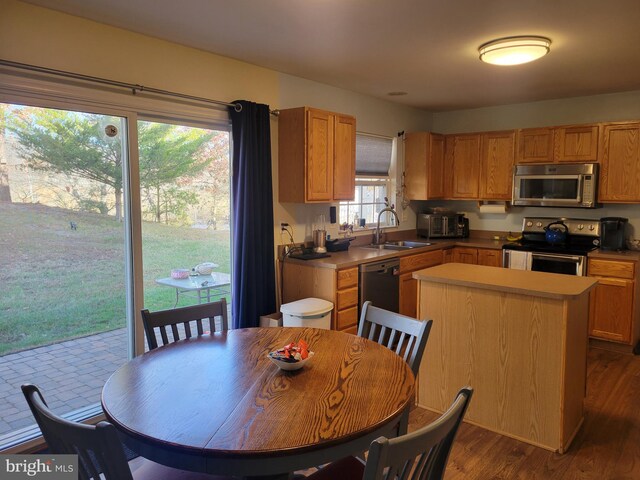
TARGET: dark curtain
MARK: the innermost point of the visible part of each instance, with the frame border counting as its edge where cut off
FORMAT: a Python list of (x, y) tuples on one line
[(254, 290)]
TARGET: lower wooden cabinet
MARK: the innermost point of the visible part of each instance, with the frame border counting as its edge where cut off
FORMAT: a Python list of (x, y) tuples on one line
[(490, 257), (613, 306), (465, 255), (346, 308), (477, 256), (339, 287), (408, 287)]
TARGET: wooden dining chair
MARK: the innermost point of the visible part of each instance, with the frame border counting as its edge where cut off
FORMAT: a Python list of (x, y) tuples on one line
[(419, 455), (185, 318), (101, 456), (404, 335)]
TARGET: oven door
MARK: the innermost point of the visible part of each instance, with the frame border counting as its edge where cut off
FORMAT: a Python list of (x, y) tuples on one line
[(559, 263)]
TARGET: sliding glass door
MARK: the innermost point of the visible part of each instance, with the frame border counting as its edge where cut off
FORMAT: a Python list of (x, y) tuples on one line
[(185, 203), (63, 308)]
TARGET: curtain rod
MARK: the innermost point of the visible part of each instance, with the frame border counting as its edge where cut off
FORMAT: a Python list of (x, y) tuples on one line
[(130, 86)]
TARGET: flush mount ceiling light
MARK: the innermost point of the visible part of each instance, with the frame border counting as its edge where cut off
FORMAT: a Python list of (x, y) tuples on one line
[(514, 50)]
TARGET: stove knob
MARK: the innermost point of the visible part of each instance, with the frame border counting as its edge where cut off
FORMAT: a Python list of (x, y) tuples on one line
[(581, 226), (529, 223), (592, 227), (539, 224)]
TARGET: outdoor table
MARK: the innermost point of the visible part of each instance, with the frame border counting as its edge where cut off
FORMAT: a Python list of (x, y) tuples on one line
[(205, 286), (217, 404)]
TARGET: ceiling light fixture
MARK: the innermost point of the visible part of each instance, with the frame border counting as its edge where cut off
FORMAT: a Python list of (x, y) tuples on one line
[(514, 50)]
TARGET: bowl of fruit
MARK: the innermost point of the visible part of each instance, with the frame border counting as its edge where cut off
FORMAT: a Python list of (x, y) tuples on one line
[(292, 356)]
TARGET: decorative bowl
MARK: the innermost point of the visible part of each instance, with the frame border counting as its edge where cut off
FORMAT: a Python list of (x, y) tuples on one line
[(633, 243), (179, 273), (289, 365)]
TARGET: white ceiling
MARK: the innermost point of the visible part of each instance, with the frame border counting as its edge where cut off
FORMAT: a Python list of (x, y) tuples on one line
[(427, 48)]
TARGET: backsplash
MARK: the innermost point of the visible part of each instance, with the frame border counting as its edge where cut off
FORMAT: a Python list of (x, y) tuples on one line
[(512, 220)]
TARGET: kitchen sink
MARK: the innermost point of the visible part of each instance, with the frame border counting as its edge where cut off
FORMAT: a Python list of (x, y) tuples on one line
[(407, 243), (400, 245)]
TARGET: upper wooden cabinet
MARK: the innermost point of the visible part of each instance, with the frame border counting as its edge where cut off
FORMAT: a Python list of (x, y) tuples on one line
[(578, 143), (571, 143), (424, 166), (316, 156), (620, 163), (463, 157), (496, 167), (535, 145)]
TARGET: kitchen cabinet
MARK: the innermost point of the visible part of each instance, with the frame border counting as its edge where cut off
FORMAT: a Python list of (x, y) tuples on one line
[(346, 314), (424, 166), (535, 145), (408, 286), (463, 155), (316, 156), (620, 163), (496, 166), (465, 255), (490, 257), (570, 143), (576, 143), (339, 287), (478, 256), (614, 303)]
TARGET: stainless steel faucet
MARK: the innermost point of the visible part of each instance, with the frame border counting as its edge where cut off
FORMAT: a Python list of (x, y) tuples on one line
[(388, 208)]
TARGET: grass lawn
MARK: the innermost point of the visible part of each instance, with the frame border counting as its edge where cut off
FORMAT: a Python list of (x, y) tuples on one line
[(59, 283)]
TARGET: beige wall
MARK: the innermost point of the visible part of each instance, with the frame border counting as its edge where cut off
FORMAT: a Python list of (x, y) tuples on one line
[(596, 108)]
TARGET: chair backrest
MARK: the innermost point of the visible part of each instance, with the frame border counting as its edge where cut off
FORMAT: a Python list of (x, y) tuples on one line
[(404, 335), (98, 447), (419, 455), (184, 317)]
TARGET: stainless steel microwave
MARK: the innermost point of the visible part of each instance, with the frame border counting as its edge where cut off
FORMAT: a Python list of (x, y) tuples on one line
[(555, 185)]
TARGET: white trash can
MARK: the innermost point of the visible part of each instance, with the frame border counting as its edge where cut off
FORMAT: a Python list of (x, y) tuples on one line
[(308, 312)]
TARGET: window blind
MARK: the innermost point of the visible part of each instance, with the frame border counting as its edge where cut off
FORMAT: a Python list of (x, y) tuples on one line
[(373, 155)]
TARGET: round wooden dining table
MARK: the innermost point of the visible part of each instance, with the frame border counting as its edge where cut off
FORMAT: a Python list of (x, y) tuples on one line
[(217, 404)]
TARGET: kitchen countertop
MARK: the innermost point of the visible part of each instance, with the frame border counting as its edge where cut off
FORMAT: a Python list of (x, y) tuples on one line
[(539, 284), (357, 255), (628, 255)]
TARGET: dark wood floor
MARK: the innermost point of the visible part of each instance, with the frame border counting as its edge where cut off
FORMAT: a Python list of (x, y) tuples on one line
[(606, 448)]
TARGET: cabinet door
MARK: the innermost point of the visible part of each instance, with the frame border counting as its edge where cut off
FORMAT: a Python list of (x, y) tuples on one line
[(319, 161), (489, 257), (424, 165), (408, 292), (447, 255), (465, 255), (466, 166), (576, 144), (344, 166), (435, 166), (535, 145), (620, 163), (496, 171), (611, 316)]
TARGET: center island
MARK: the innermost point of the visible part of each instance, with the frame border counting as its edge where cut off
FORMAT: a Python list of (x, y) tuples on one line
[(519, 338)]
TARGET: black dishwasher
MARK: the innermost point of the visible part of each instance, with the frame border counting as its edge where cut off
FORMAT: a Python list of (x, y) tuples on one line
[(379, 282)]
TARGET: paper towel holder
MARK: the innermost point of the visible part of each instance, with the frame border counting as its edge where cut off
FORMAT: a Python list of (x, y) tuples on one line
[(493, 206)]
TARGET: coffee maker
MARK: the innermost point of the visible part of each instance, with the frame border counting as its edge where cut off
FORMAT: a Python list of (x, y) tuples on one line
[(613, 233)]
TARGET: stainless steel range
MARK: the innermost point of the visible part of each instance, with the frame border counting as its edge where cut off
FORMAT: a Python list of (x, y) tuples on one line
[(555, 245)]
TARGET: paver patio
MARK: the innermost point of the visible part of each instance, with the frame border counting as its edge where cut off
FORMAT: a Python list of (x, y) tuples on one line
[(70, 374)]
